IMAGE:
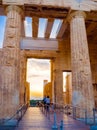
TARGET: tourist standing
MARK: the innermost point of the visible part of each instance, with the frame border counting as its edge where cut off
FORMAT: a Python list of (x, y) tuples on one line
[(47, 102)]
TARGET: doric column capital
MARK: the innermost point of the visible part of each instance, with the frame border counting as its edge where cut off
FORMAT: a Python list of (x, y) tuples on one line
[(75, 14), (14, 8)]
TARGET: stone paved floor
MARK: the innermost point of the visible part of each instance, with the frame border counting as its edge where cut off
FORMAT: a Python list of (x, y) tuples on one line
[(34, 119), (70, 123)]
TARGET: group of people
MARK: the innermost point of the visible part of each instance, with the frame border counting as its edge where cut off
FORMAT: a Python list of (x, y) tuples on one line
[(46, 102)]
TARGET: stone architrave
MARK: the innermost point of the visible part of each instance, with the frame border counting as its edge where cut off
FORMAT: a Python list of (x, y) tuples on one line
[(81, 72), (11, 62)]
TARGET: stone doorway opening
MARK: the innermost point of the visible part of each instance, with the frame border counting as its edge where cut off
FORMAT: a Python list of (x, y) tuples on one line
[(38, 75), (67, 87)]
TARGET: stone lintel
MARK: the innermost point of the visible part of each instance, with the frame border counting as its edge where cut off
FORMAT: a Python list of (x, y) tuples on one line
[(13, 2), (85, 5), (38, 44)]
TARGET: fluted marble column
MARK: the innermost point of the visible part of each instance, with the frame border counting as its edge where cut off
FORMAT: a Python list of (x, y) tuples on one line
[(23, 69), (58, 80), (11, 61), (58, 87), (81, 71)]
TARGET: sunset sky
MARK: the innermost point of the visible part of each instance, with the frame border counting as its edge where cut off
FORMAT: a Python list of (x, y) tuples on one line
[(38, 70)]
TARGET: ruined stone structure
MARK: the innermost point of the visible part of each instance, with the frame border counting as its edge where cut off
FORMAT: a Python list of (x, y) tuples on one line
[(68, 93), (74, 49), (48, 90)]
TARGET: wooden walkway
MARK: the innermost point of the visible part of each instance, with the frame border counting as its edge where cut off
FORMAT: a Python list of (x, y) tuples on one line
[(34, 119)]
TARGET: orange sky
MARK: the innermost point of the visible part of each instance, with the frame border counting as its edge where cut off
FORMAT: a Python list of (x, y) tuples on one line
[(35, 94)]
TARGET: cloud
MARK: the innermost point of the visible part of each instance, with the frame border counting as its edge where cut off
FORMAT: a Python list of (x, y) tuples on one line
[(38, 68), (39, 64)]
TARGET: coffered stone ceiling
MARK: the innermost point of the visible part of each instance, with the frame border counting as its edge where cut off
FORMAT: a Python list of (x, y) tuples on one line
[(53, 10)]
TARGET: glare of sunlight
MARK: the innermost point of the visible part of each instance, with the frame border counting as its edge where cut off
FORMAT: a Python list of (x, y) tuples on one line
[(28, 26), (42, 26), (2, 29), (55, 28), (59, 26), (64, 81)]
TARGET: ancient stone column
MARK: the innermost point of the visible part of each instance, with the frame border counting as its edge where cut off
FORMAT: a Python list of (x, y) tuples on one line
[(11, 62), (81, 72), (58, 67), (58, 87), (23, 69)]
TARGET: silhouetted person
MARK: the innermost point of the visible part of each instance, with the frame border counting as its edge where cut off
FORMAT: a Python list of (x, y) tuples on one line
[(47, 103), (44, 100)]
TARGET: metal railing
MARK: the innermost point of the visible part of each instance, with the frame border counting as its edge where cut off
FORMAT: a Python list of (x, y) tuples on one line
[(95, 116), (51, 111), (86, 116), (15, 118), (75, 112)]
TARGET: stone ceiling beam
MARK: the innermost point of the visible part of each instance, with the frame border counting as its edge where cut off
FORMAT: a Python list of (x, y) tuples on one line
[(49, 28), (85, 5), (23, 29), (43, 54), (38, 44), (47, 12), (62, 30), (35, 23)]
